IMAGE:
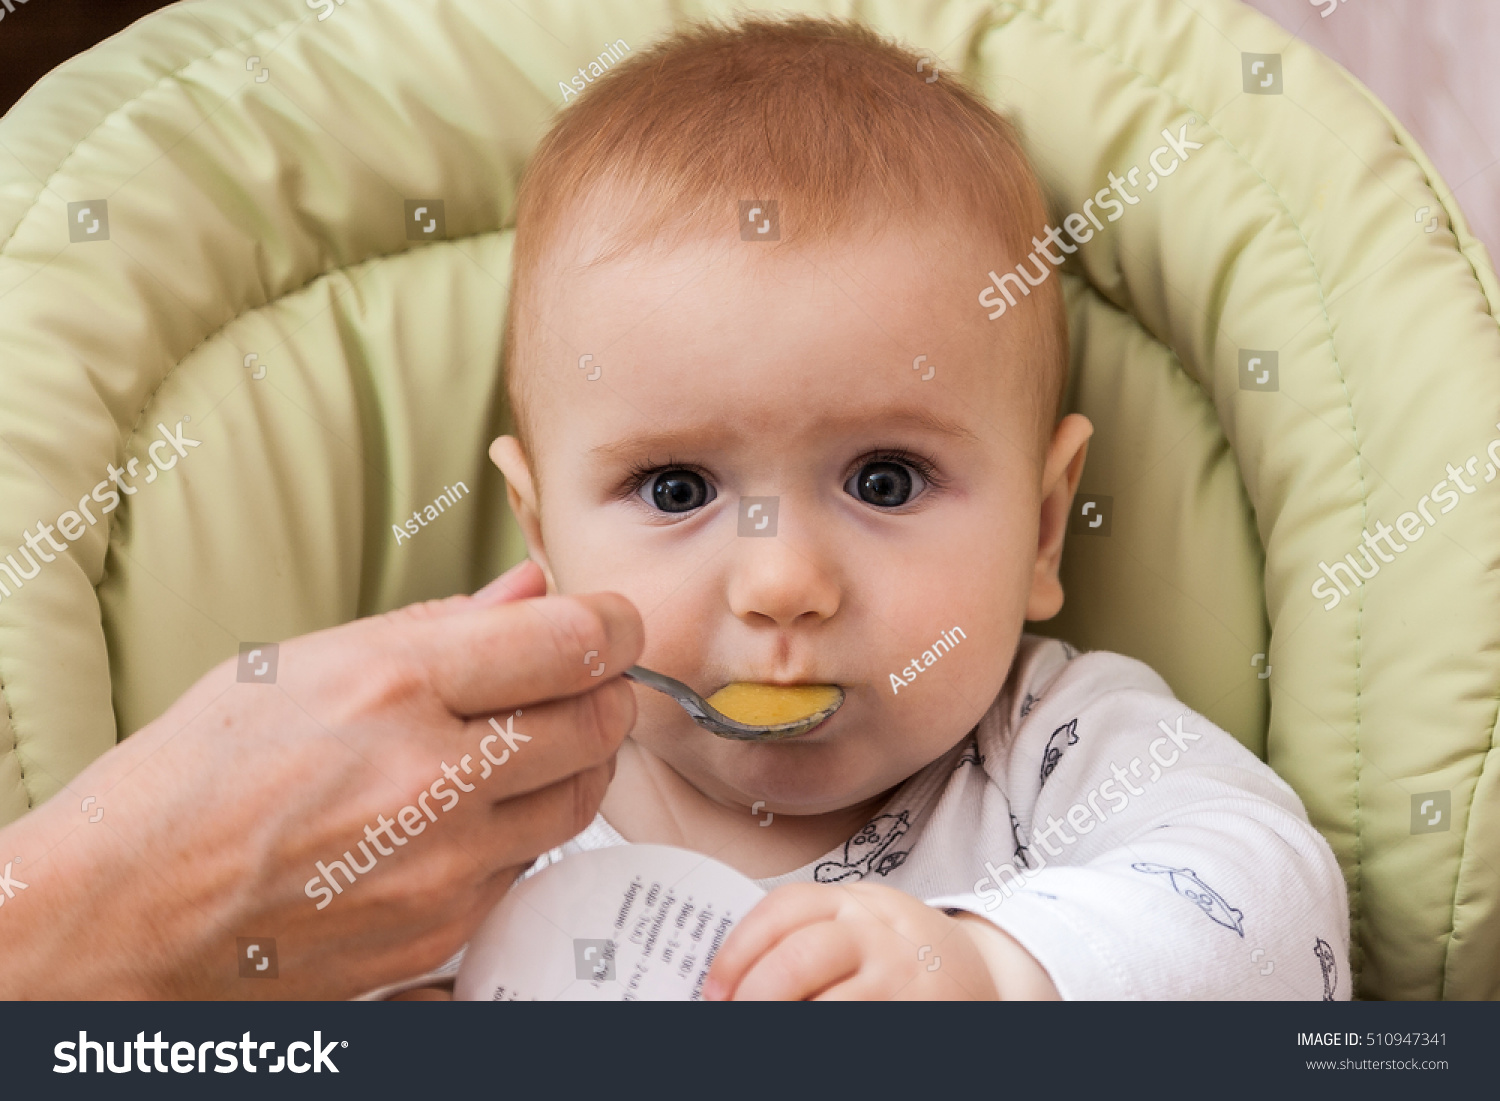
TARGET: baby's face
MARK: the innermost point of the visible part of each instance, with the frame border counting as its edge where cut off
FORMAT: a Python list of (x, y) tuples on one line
[(902, 500)]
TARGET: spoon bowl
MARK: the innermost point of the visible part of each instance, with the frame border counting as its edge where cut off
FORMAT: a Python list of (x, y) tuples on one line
[(717, 722)]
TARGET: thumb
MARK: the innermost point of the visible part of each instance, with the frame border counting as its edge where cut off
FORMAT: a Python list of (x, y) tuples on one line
[(522, 581)]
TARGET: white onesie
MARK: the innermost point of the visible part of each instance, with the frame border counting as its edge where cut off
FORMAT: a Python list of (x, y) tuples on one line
[(1131, 846)]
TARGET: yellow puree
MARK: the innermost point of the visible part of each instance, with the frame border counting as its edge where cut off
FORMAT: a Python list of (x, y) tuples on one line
[(770, 704)]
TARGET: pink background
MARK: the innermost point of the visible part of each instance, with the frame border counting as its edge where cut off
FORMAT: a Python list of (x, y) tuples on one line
[(1436, 65)]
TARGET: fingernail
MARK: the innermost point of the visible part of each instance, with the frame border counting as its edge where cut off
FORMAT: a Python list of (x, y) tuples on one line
[(712, 991), (502, 584), (517, 568)]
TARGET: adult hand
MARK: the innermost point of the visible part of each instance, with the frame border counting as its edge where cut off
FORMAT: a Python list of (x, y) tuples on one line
[(218, 814)]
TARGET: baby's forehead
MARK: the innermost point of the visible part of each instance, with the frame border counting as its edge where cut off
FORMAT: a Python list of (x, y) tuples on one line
[(887, 303), (931, 256), (707, 349), (879, 297)]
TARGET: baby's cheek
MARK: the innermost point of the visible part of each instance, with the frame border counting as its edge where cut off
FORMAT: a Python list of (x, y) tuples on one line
[(943, 701), (673, 647), (922, 727)]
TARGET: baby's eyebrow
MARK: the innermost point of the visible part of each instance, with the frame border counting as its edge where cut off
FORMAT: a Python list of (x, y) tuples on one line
[(699, 436), (676, 440)]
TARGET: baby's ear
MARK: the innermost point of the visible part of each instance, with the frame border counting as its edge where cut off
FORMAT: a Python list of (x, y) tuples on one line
[(1062, 470), (520, 490), (506, 453)]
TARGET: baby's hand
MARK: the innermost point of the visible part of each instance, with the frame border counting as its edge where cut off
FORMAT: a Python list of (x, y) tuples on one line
[(867, 942)]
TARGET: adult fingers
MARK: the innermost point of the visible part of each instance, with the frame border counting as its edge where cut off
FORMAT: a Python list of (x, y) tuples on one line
[(495, 658), (544, 819), (523, 581), (530, 748), (853, 988), (508, 836), (465, 863), (781, 912), (802, 965)]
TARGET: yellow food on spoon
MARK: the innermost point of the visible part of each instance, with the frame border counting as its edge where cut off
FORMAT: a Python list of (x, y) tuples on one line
[(771, 704)]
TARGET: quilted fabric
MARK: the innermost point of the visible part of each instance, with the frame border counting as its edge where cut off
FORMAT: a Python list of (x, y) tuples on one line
[(209, 232)]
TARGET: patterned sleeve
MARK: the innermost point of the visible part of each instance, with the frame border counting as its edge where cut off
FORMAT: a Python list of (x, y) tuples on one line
[(1152, 856)]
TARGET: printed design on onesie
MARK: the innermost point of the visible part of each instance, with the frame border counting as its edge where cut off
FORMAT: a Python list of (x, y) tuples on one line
[(1027, 704), (1055, 746), (1023, 852), (970, 756), (870, 850), (1185, 882), (1068, 650), (1330, 967)]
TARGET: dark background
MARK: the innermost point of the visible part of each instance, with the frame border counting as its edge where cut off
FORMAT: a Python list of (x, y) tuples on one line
[(40, 35)]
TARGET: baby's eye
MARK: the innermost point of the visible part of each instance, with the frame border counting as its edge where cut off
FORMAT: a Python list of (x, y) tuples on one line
[(676, 490), (885, 483)]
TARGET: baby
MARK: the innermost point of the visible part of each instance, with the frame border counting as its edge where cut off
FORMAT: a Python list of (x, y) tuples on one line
[(754, 392)]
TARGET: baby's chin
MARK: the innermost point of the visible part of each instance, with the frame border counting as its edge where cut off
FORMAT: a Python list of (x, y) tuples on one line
[(798, 778)]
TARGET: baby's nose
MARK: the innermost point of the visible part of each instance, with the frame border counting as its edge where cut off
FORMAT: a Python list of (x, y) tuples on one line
[(782, 580)]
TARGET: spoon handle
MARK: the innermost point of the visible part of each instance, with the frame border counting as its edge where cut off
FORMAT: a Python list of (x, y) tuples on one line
[(690, 700)]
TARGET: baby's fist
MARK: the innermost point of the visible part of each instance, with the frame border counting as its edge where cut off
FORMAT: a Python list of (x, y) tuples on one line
[(846, 943)]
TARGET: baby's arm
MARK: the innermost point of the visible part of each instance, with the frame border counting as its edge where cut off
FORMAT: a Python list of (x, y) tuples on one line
[(1152, 856)]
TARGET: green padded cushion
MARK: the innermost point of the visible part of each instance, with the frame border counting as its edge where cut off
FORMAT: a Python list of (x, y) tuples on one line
[(268, 217)]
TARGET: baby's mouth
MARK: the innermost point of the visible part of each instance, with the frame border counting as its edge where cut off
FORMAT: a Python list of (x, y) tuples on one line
[(808, 705), (759, 704)]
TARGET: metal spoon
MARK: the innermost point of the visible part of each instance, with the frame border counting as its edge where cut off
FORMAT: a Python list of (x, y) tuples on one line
[(721, 724)]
